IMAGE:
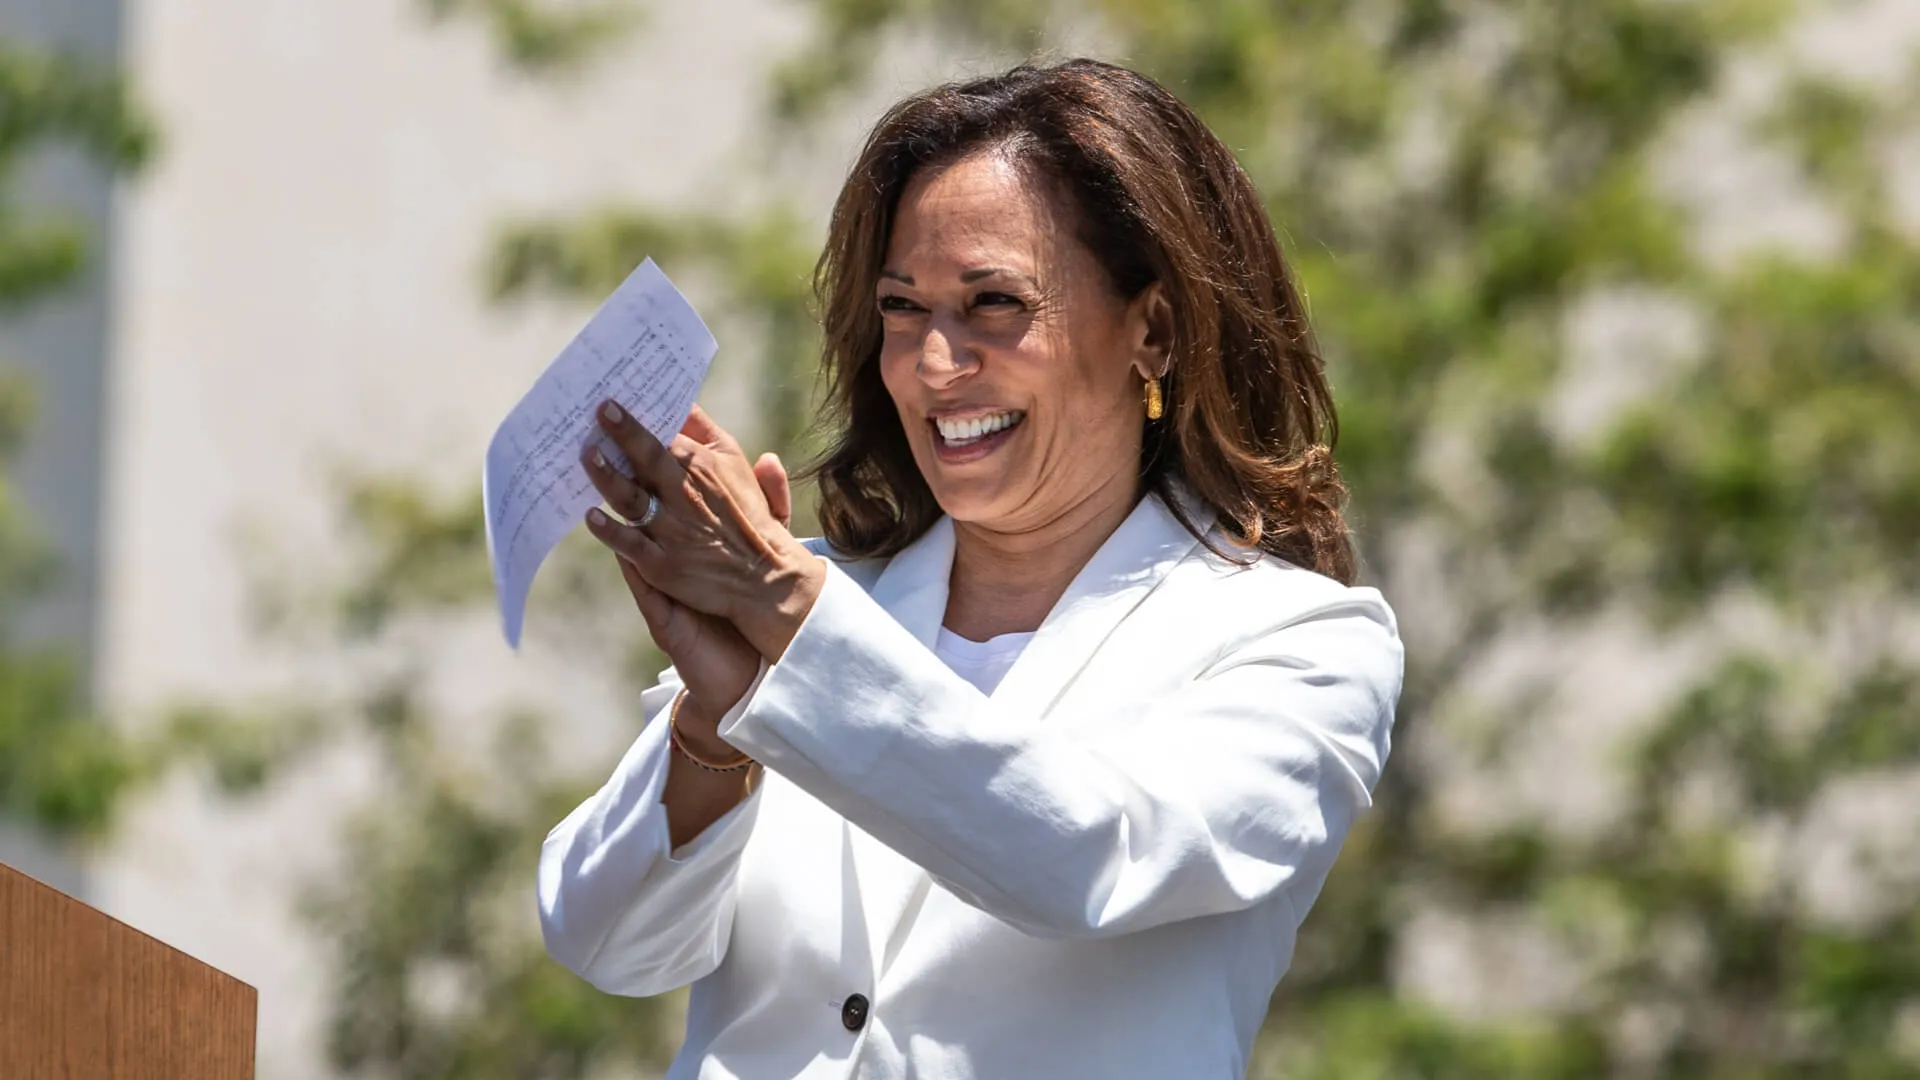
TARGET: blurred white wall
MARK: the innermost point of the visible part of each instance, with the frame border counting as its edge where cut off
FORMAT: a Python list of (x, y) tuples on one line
[(298, 291)]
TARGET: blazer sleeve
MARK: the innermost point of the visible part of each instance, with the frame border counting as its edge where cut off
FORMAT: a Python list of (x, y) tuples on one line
[(1214, 798), (617, 906)]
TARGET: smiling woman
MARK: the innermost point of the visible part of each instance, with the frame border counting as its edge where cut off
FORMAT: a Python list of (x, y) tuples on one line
[(1034, 763), (1087, 191)]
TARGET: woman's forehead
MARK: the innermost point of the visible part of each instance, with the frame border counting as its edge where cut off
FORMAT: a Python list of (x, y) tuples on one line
[(980, 210)]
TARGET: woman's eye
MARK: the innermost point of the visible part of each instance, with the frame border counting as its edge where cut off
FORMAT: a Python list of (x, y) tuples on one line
[(893, 305), (996, 299)]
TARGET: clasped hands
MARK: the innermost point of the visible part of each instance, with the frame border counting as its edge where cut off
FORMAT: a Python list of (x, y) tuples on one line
[(720, 580)]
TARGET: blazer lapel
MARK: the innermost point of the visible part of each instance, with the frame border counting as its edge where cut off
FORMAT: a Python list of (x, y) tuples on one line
[(913, 589)]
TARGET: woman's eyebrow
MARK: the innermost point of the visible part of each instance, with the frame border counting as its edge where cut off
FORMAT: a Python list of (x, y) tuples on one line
[(970, 276), (967, 277)]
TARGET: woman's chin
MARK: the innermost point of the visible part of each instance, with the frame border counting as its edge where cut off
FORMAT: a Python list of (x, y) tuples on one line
[(978, 496), (966, 500)]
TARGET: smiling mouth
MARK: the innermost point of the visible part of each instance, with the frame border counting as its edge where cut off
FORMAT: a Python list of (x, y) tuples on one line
[(958, 432)]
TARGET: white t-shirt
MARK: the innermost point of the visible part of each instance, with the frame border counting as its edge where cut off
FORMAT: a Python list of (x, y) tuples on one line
[(982, 663)]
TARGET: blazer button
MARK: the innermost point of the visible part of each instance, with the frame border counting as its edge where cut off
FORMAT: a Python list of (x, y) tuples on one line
[(854, 1013)]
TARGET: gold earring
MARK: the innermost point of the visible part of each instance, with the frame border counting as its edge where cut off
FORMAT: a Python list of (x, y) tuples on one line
[(1155, 406)]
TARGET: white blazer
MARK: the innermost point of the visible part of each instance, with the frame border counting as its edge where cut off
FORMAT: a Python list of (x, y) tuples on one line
[(1097, 871)]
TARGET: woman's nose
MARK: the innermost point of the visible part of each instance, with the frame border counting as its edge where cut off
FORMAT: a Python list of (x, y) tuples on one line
[(943, 360)]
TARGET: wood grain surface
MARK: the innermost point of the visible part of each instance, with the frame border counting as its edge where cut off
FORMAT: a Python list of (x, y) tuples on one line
[(86, 997)]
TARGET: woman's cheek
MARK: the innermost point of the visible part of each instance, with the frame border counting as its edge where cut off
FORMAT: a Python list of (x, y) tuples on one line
[(896, 373)]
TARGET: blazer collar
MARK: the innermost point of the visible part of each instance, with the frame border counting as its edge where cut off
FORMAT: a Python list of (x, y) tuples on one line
[(913, 587), (1127, 567)]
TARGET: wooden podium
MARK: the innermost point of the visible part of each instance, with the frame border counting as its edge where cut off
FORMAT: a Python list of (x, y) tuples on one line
[(86, 997)]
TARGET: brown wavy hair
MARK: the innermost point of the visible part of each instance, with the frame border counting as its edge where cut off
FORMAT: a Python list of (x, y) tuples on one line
[(1250, 422)]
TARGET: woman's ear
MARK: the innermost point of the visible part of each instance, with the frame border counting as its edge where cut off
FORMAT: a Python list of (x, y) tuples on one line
[(1150, 326)]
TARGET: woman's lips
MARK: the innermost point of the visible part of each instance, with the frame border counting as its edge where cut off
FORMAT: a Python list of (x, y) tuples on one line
[(973, 449)]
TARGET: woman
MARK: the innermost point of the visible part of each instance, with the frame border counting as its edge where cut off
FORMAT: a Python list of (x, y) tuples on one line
[(1034, 765)]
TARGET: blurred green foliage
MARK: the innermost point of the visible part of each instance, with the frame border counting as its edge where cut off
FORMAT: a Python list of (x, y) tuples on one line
[(59, 768), (1458, 182), (545, 37), (436, 974)]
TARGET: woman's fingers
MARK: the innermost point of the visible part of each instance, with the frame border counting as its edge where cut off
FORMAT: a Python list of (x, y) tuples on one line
[(720, 545), (655, 606), (775, 486), (721, 489), (626, 541), (702, 428), (627, 498), (653, 467)]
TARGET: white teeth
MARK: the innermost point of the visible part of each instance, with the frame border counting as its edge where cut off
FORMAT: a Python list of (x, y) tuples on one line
[(966, 431)]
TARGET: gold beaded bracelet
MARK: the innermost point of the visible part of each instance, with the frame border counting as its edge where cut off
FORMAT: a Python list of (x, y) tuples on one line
[(673, 736)]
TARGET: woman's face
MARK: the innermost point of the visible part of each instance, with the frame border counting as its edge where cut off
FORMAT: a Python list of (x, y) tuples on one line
[(1016, 369)]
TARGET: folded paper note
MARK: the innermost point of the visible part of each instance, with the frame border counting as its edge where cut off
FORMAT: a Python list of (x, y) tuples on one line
[(645, 348)]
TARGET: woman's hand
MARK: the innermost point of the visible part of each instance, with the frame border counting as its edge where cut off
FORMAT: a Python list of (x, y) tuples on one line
[(716, 546), (713, 661), (715, 664)]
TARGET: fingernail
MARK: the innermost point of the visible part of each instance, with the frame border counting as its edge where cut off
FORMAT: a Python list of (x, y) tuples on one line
[(612, 411), (599, 460), (595, 517)]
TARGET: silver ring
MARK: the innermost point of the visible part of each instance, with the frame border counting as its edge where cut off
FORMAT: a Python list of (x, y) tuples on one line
[(653, 511)]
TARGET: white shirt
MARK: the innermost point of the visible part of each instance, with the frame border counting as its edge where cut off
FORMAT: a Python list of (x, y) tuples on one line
[(982, 663), (1096, 870)]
